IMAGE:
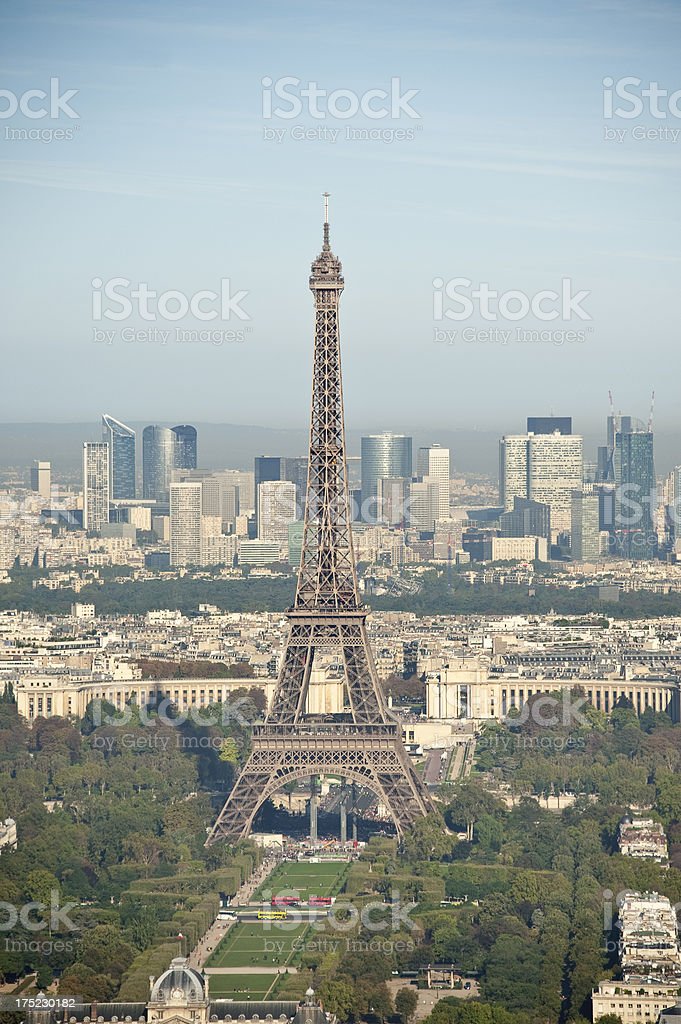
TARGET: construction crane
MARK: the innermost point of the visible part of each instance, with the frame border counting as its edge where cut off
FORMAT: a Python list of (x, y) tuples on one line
[(652, 409)]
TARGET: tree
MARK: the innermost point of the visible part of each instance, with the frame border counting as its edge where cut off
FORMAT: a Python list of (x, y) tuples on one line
[(338, 998), (83, 981), (427, 839), (406, 1002), (143, 848), (229, 751), (469, 804)]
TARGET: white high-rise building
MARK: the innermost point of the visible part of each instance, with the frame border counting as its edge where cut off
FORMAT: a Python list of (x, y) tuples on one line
[(185, 524), (512, 469), (41, 478), (244, 481), (95, 485), (424, 503), (433, 462), (545, 468), (554, 470), (276, 509)]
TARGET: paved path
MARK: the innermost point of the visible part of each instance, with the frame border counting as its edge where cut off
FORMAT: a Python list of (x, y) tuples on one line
[(210, 939)]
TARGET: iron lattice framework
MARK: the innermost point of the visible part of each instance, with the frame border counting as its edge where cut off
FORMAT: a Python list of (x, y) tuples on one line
[(366, 746)]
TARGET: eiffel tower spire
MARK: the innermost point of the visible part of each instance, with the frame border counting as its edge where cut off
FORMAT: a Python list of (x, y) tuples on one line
[(363, 745)]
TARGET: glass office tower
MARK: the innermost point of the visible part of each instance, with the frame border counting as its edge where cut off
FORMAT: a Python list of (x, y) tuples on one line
[(121, 441)]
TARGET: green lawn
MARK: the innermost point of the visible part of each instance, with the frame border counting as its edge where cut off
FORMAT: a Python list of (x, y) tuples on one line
[(304, 879), (258, 944), (261, 944), (241, 986)]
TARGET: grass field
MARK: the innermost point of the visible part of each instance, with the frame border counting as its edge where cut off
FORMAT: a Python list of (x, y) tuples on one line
[(241, 986), (304, 879), (258, 944), (270, 944)]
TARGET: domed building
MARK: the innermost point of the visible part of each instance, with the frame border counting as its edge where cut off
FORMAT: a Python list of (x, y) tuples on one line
[(180, 992), (180, 996)]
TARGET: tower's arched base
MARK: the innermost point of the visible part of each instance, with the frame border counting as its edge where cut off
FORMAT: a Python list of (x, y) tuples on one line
[(370, 755)]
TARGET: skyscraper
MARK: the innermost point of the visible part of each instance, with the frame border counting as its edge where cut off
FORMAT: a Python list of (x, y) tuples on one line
[(424, 503), (185, 446), (554, 471), (276, 510), (635, 494), (185, 523), (393, 500), (269, 468), (545, 468), (266, 467), (295, 470), (41, 479), (549, 424), (585, 538), (244, 481), (526, 519), (95, 485), (383, 455), (433, 462), (512, 469), (158, 462), (121, 441)]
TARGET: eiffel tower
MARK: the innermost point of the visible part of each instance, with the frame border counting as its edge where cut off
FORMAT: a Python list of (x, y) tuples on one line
[(362, 746)]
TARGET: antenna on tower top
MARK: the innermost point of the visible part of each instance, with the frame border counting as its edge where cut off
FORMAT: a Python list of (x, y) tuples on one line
[(326, 218)]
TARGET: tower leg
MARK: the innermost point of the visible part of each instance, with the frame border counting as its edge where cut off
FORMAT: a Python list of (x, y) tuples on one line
[(313, 809), (343, 807)]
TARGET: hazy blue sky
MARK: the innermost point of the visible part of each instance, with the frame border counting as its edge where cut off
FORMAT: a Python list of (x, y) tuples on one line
[(508, 180)]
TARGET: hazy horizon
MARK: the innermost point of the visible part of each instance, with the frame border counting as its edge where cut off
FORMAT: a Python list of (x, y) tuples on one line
[(172, 176)]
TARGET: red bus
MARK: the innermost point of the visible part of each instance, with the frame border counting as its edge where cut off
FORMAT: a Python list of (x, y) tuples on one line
[(320, 901), (285, 901)]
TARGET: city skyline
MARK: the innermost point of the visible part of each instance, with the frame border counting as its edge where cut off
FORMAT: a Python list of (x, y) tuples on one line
[(340, 603)]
